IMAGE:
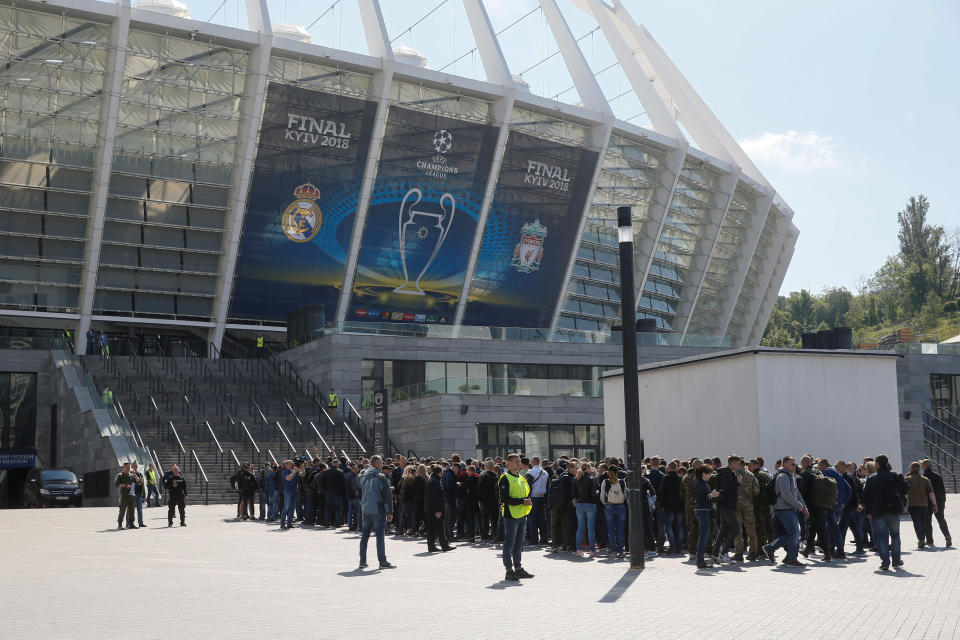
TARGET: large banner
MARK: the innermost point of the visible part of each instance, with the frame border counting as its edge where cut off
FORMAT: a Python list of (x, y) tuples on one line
[(531, 232), (303, 202), (422, 218)]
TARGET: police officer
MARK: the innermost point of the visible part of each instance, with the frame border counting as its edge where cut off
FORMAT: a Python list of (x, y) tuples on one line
[(688, 505), (259, 346), (747, 494), (515, 504), (332, 401), (176, 488), (761, 507)]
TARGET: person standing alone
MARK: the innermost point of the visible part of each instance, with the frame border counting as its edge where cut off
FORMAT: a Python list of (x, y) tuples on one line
[(515, 505), (176, 488), (125, 481), (376, 504)]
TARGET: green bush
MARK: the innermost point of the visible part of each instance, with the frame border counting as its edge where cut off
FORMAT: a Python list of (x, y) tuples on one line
[(950, 306)]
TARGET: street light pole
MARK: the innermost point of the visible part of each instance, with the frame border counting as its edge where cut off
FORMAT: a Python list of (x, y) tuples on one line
[(631, 391)]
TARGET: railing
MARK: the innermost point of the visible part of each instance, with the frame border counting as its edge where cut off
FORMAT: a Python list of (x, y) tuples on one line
[(494, 387), (361, 425), (203, 474), (943, 446)]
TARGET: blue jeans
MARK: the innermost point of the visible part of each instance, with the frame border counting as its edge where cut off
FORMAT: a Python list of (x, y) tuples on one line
[(333, 509), (886, 535), (586, 521), (703, 537), (833, 525), (670, 524), (153, 491), (376, 523), (140, 510), (263, 504), (274, 505), (513, 541), (616, 515), (289, 506), (353, 513), (790, 539), (537, 532), (848, 520)]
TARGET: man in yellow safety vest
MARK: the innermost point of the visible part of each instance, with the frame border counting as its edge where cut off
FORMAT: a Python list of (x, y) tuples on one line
[(515, 504)]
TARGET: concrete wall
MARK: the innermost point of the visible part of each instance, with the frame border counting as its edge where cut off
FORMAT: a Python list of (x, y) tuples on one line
[(767, 403)]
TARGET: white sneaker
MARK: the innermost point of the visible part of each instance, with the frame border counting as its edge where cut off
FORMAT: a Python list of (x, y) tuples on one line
[(580, 553)]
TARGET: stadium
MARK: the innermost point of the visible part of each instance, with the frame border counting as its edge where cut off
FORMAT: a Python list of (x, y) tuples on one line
[(190, 188)]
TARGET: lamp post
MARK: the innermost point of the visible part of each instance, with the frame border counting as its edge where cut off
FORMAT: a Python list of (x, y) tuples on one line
[(631, 391)]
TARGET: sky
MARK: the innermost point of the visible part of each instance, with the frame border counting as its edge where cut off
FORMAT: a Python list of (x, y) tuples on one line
[(848, 108)]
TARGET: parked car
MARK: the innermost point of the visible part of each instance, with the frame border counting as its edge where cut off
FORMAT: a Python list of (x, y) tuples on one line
[(50, 487)]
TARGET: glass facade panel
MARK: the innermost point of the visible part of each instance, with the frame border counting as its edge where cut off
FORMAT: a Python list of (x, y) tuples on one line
[(545, 441)]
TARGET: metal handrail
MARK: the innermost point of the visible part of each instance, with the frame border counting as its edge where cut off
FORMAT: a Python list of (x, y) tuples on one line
[(317, 431), (292, 448), (927, 414), (184, 451), (355, 439), (944, 469), (206, 481), (273, 457), (235, 459)]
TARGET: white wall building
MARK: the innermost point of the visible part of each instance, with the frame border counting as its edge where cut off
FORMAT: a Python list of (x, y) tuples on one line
[(767, 402)]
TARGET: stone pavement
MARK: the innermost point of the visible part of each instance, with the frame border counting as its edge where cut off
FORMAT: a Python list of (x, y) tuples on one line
[(69, 574)]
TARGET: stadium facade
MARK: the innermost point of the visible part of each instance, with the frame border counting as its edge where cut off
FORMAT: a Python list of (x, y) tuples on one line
[(161, 172)]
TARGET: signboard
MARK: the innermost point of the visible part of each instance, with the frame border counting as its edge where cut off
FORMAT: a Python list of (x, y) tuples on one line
[(531, 232), (380, 404), (17, 459), (422, 218), (302, 204)]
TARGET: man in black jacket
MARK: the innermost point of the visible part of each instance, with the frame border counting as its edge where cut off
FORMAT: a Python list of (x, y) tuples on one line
[(334, 492), (433, 504), (247, 485), (175, 486), (940, 493), (489, 506), (848, 517), (884, 495), (670, 505), (728, 484)]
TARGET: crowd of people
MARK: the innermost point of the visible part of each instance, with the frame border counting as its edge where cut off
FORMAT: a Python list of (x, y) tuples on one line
[(717, 513)]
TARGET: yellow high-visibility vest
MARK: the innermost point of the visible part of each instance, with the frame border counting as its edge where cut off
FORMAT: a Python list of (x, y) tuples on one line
[(519, 488)]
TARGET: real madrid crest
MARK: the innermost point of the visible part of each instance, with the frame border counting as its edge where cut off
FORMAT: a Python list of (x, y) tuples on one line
[(302, 218), (529, 251)]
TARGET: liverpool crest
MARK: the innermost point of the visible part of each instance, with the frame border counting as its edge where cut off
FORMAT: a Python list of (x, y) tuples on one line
[(302, 218), (529, 251)]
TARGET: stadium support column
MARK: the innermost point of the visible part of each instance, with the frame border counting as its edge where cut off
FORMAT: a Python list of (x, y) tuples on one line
[(102, 165), (774, 270), (504, 108), (760, 215), (708, 243), (251, 108), (378, 45)]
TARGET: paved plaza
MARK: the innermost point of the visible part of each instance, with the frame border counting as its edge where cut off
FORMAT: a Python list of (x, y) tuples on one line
[(71, 574)]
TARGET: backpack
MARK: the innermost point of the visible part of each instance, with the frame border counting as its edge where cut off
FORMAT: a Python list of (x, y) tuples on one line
[(406, 491), (824, 492), (615, 493), (770, 491), (555, 493)]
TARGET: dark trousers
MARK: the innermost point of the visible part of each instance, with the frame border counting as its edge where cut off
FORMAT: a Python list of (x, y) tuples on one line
[(941, 521), (728, 526), (333, 507), (468, 517), (560, 527), (176, 502), (817, 527), (489, 513), (435, 532), (921, 522), (450, 515), (537, 531), (128, 505), (246, 504)]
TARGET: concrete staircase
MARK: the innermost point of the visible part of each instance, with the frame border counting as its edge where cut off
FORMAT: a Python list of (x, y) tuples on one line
[(208, 414)]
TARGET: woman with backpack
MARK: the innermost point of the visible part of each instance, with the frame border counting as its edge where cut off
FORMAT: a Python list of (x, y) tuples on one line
[(585, 502), (613, 496)]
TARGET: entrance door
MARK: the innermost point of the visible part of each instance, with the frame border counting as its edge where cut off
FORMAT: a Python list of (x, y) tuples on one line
[(559, 450), (590, 453)]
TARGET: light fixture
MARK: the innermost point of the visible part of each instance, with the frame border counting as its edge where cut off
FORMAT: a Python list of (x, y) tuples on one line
[(24, 79), (624, 225), (53, 61)]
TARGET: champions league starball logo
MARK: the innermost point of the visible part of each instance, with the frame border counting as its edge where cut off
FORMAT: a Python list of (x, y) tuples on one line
[(529, 251), (302, 218), (442, 141)]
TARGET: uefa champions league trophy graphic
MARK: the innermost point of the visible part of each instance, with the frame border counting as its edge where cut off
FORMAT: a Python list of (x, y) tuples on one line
[(421, 235)]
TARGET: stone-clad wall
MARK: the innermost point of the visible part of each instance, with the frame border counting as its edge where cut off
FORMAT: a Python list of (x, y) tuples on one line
[(913, 385)]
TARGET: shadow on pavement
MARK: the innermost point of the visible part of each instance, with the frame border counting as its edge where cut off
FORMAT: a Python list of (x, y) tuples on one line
[(356, 573), (504, 584), (621, 586)]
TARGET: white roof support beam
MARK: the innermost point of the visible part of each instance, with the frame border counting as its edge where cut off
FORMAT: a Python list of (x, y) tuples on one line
[(696, 116), (494, 63), (706, 246), (660, 116), (102, 165), (583, 79), (600, 138), (777, 245), (646, 245), (251, 110), (504, 109), (375, 30), (773, 289), (366, 187), (748, 248)]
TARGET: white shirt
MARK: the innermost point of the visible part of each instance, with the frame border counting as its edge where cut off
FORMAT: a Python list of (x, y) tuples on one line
[(539, 487)]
